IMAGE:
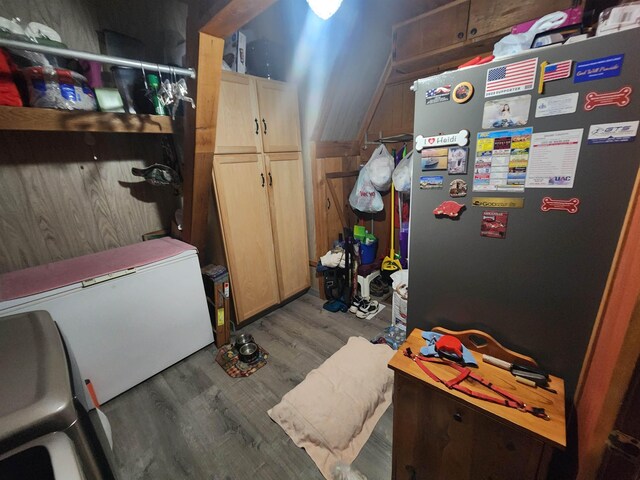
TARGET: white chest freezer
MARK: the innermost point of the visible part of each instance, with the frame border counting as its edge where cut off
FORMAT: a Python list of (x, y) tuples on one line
[(126, 313)]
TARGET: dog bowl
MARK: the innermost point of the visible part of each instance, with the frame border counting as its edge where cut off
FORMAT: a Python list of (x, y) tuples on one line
[(248, 352), (243, 339)]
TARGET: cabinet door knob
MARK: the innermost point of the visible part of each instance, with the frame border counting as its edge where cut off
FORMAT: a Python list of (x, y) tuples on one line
[(473, 31), (264, 124), (262, 176), (457, 417), (270, 179), (461, 35), (257, 126)]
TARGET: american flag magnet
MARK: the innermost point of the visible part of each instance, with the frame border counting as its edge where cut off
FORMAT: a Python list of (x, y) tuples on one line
[(438, 95), (514, 77)]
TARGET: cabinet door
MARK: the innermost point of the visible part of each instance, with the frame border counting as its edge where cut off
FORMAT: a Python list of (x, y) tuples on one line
[(243, 205), (279, 117), (435, 436), (288, 221), (487, 16), (238, 128), (436, 29)]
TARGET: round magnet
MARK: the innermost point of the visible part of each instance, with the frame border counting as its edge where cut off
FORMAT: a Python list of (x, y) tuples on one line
[(463, 92)]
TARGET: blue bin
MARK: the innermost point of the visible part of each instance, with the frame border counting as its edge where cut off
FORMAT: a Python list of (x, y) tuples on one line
[(368, 253)]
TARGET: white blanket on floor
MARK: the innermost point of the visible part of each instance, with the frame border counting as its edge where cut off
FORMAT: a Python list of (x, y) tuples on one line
[(332, 413)]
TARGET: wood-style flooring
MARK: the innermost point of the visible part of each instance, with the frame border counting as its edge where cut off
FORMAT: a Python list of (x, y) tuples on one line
[(193, 421)]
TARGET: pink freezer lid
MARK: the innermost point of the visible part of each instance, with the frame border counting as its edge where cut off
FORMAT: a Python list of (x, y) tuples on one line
[(30, 281)]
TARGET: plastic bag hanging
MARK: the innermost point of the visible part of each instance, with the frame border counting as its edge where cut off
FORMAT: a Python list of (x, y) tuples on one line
[(402, 174), (364, 197), (380, 167)]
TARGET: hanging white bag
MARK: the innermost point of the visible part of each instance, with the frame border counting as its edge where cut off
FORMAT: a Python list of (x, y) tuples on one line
[(402, 174), (380, 167), (364, 197)]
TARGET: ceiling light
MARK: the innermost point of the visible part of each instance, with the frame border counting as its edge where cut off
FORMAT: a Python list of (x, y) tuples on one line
[(324, 8)]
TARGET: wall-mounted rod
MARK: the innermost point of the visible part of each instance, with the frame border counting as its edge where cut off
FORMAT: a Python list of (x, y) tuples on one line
[(94, 57)]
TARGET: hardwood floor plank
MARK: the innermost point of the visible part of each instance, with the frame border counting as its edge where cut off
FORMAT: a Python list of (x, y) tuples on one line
[(194, 421)]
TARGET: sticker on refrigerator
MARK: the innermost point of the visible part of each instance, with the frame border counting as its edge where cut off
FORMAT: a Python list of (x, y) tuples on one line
[(460, 139), (498, 202), (605, 67), (553, 159), (494, 224), (501, 160), (569, 205), (438, 95), (557, 105), (463, 92), (619, 98), (431, 182), (434, 159), (506, 112), (457, 160), (612, 132), (512, 78), (557, 71), (449, 209), (458, 188)]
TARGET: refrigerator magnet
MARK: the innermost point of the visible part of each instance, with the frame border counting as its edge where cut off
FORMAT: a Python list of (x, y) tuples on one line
[(449, 209), (458, 188), (463, 92), (438, 95), (597, 68), (620, 98), (457, 158), (568, 205), (622, 132), (494, 224), (460, 139), (506, 112), (434, 159), (431, 182)]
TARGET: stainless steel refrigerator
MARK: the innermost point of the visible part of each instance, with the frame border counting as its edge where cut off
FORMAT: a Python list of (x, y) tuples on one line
[(527, 258)]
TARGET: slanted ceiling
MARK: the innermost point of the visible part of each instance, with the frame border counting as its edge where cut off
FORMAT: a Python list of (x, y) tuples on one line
[(339, 63)]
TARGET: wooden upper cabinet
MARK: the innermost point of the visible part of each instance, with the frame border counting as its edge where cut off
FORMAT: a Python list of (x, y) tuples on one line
[(288, 221), (441, 27), (243, 204), (279, 117), (238, 128), (488, 16)]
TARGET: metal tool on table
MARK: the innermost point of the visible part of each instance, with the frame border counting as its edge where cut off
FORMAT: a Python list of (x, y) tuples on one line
[(525, 374)]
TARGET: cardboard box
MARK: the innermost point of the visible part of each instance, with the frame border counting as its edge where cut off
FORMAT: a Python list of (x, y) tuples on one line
[(236, 46)]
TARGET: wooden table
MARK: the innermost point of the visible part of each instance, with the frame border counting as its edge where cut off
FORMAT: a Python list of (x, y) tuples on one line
[(440, 433)]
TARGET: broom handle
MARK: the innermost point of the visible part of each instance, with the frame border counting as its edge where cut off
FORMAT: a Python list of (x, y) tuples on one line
[(393, 194)]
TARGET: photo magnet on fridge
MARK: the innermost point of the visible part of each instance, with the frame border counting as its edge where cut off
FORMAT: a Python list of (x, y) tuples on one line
[(431, 182), (494, 224), (463, 92), (438, 95), (434, 159), (597, 68), (458, 188), (506, 112), (458, 160)]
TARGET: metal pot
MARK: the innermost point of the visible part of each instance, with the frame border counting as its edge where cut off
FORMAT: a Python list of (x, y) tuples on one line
[(243, 339), (249, 352)]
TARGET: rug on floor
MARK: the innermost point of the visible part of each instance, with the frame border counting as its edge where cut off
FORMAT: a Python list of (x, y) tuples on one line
[(227, 357), (332, 413)]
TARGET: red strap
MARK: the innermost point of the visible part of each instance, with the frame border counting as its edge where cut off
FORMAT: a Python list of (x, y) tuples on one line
[(509, 400)]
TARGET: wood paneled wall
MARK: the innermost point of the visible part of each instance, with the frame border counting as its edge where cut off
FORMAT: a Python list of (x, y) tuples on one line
[(59, 202), (394, 112)]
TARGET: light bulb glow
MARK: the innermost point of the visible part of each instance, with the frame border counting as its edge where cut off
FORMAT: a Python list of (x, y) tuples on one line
[(324, 8)]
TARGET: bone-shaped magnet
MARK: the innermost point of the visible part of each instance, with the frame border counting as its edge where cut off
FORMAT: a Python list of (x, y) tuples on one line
[(621, 98), (461, 139), (570, 205)]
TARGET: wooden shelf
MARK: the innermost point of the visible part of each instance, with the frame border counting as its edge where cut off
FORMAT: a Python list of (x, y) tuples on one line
[(49, 120)]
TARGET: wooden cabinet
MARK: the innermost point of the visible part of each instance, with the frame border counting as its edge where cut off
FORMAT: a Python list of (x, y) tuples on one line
[(449, 35), (256, 115), (443, 434), (259, 188)]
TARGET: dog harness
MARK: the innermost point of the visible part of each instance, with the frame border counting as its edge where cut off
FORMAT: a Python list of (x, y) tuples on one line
[(508, 399)]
